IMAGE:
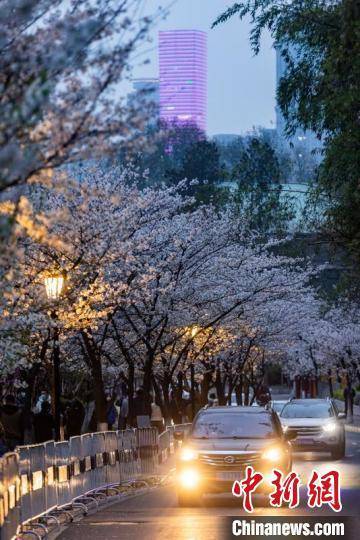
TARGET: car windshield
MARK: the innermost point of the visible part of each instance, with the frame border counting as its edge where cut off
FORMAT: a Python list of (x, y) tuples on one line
[(307, 410), (234, 426)]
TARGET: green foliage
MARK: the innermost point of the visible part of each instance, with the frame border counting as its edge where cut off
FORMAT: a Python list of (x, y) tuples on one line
[(200, 162), (182, 151), (258, 192), (250, 164), (320, 43), (339, 394), (258, 166), (230, 153)]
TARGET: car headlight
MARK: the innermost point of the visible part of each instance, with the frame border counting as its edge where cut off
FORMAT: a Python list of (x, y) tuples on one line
[(188, 454), (273, 454), (330, 427), (189, 478)]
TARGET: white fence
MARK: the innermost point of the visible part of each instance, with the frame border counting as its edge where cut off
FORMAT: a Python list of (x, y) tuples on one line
[(38, 479)]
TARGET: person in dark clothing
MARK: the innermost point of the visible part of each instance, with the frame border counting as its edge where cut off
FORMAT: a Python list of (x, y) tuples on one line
[(263, 395), (3, 443), (111, 413), (124, 411), (141, 406), (74, 418), (175, 410), (11, 418), (349, 394), (44, 425)]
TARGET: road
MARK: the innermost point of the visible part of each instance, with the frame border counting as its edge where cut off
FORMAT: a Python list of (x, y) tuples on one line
[(155, 515)]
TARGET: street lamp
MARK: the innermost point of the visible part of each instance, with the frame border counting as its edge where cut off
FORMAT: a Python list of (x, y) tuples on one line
[(54, 284)]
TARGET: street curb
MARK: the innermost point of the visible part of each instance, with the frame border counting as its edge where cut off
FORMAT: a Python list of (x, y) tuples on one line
[(52, 535), (55, 533), (352, 429)]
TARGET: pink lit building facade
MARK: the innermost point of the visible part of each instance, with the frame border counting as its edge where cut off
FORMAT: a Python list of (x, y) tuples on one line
[(183, 77)]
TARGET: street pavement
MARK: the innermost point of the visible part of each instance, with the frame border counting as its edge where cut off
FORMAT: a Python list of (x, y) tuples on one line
[(155, 515)]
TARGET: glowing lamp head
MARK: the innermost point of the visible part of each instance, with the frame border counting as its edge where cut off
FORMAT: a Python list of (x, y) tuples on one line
[(188, 454), (273, 454), (189, 478), (54, 285), (330, 427), (194, 331)]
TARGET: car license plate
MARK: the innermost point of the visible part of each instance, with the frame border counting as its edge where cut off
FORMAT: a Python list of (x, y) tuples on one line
[(303, 441), (229, 476)]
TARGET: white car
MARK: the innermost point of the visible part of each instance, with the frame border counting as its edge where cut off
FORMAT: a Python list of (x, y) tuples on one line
[(316, 425), (277, 405)]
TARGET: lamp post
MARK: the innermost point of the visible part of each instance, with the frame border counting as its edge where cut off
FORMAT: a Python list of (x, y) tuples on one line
[(54, 285)]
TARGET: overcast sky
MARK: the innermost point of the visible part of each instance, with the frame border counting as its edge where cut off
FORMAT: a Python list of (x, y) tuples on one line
[(241, 87)]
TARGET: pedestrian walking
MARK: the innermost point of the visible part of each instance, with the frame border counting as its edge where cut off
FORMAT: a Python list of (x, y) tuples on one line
[(124, 411), (175, 410), (141, 413), (44, 424), (190, 405), (263, 395), (11, 418), (157, 419), (3, 445), (349, 394), (89, 422), (111, 414), (212, 399), (74, 418), (44, 396)]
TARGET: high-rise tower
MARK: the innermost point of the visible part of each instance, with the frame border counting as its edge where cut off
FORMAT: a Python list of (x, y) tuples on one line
[(183, 77)]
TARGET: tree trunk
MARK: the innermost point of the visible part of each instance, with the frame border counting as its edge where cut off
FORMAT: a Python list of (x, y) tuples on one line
[(220, 388), (239, 390), (205, 387), (331, 389), (166, 397), (148, 371), (131, 389), (246, 393), (99, 391)]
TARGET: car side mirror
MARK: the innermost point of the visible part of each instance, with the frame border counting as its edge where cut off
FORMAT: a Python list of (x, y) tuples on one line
[(341, 415), (289, 435), (179, 435)]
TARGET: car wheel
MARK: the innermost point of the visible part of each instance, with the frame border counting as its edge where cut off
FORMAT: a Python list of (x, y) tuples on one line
[(339, 451), (186, 499)]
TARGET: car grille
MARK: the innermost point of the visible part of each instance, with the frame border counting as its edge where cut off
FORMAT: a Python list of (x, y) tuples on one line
[(306, 431), (229, 460)]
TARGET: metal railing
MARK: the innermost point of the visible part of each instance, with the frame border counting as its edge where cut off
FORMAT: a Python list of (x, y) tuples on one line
[(39, 480)]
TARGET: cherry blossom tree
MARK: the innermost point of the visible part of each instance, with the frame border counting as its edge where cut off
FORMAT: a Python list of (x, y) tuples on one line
[(93, 237), (63, 64), (153, 288)]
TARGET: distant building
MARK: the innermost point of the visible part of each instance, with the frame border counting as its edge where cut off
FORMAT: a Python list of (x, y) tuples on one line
[(183, 77)]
